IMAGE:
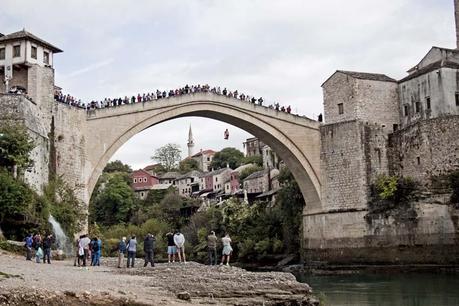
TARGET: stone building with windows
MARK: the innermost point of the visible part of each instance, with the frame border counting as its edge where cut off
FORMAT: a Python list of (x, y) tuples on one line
[(204, 159), (143, 182), (376, 125)]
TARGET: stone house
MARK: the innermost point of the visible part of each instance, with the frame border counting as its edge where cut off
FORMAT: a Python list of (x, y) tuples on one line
[(253, 146), (142, 182), (188, 183), (219, 178), (204, 159), (169, 177), (260, 181)]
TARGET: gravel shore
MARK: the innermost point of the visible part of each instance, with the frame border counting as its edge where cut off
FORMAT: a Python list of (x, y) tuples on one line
[(60, 283)]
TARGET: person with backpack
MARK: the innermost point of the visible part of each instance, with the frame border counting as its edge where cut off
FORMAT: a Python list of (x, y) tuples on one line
[(148, 248), (132, 250), (28, 246)]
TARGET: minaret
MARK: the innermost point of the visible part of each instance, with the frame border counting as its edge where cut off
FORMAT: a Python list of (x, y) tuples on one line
[(190, 142)]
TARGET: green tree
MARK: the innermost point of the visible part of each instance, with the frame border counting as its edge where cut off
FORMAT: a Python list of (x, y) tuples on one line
[(16, 199), (188, 164), (117, 166), (168, 156), (254, 159), (114, 201), (228, 156), (15, 146)]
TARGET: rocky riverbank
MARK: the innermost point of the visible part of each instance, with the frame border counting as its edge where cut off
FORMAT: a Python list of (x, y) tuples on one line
[(27, 283)]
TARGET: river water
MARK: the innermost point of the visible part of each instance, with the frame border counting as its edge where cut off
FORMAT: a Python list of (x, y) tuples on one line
[(385, 289)]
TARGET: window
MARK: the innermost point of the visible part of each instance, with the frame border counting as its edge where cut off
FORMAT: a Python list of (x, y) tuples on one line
[(145, 179), (135, 180), (457, 98), (16, 51), (418, 159), (141, 194), (208, 158), (340, 108), (2, 53), (395, 127), (418, 107), (45, 57), (405, 108), (34, 52), (427, 102), (216, 179)]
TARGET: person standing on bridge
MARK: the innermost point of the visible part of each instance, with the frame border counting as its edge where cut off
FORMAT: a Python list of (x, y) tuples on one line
[(260, 101)]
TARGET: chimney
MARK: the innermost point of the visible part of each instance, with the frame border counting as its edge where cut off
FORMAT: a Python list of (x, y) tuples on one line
[(456, 15)]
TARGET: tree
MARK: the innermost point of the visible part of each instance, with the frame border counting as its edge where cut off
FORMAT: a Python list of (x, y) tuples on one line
[(113, 204), (168, 156), (188, 164), (15, 197), (254, 159), (117, 166), (228, 156), (15, 146)]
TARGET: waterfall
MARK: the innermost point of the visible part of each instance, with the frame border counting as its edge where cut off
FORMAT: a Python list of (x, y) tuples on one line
[(62, 241)]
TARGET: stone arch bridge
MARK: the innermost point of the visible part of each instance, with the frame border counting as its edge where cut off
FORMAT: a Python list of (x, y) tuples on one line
[(294, 138)]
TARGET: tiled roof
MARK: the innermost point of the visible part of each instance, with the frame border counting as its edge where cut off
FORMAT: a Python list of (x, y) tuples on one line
[(209, 151), (363, 76), (142, 171), (368, 76), (431, 67), (26, 35), (257, 174), (192, 173), (169, 175)]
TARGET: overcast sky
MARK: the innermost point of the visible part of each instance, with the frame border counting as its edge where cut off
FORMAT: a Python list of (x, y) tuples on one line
[(280, 50)]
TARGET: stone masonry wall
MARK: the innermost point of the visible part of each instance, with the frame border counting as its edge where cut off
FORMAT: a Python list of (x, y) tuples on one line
[(353, 154), (69, 143), (426, 150), (340, 88), (20, 109)]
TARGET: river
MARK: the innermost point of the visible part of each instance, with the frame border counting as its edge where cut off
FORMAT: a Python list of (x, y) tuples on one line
[(411, 289)]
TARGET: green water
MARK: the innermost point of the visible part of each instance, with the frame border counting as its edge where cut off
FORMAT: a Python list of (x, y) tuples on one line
[(386, 289)]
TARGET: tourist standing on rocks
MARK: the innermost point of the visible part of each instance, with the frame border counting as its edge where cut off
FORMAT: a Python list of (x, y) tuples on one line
[(171, 248), (121, 250), (47, 242), (132, 249), (179, 241), (28, 246), (148, 248), (212, 248), (83, 249), (95, 252), (227, 249)]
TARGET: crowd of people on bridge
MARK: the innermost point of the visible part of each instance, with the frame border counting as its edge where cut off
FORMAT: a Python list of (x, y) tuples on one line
[(158, 95), (90, 249)]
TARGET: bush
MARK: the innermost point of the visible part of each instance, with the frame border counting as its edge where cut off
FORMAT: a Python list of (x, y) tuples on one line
[(263, 247), (390, 192)]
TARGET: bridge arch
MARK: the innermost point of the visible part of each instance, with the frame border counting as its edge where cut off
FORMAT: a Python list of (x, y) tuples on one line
[(295, 139)]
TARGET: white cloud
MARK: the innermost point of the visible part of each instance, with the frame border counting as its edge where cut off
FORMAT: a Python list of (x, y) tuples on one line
[(281, 50)]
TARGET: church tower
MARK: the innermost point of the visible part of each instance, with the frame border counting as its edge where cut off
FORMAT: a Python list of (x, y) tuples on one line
[(190, 143)]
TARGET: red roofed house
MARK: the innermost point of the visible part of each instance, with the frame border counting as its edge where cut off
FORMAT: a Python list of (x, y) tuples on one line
[(142, 182)]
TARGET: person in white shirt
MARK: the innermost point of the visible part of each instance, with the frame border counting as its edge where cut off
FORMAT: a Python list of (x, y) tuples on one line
[(179, 241), (227, 249)]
